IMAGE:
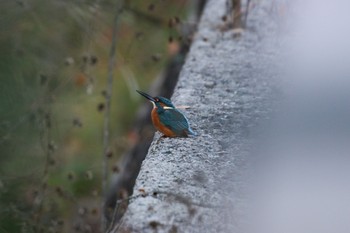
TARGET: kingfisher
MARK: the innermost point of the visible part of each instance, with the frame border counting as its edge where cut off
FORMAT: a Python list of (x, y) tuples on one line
[(167, 119)]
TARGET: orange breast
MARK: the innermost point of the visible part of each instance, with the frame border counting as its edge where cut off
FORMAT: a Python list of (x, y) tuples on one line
[(159, 126)]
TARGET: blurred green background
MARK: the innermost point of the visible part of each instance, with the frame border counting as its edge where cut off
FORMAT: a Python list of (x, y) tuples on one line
[(53, 72)]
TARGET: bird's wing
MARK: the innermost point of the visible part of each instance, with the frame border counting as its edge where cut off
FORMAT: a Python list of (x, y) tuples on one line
[(174, 120)]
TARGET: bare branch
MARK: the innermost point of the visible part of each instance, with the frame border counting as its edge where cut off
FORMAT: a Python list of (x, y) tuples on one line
[(106, 128), (246, 13), (236, 8)]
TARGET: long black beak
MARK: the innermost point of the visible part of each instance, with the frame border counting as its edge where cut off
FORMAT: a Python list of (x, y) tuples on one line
[(147, 96)]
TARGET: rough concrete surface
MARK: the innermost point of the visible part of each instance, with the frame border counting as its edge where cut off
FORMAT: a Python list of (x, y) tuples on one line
[(195, 184)]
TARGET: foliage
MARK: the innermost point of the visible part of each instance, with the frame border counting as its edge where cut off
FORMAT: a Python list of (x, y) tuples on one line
[(53, 73)]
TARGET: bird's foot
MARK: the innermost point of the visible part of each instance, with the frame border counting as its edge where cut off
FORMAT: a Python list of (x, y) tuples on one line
[(163, 136)]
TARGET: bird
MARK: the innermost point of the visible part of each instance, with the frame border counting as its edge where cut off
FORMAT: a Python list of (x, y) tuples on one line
[(167, 119)]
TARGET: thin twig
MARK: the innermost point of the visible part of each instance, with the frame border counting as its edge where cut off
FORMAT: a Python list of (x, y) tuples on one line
[(47, 147), (114, 216), (246, 14), (106, 138), (236, 8)]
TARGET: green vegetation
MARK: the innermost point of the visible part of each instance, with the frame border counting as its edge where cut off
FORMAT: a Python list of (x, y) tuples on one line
[(53, 72)]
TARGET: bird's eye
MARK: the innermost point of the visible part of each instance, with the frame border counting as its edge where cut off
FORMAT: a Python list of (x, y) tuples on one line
[(156, 99)]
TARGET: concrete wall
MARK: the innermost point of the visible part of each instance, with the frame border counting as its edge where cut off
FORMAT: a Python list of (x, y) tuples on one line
[(195, 184)]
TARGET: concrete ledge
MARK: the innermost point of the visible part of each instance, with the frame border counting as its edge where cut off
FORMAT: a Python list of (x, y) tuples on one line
[(194, 184)]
